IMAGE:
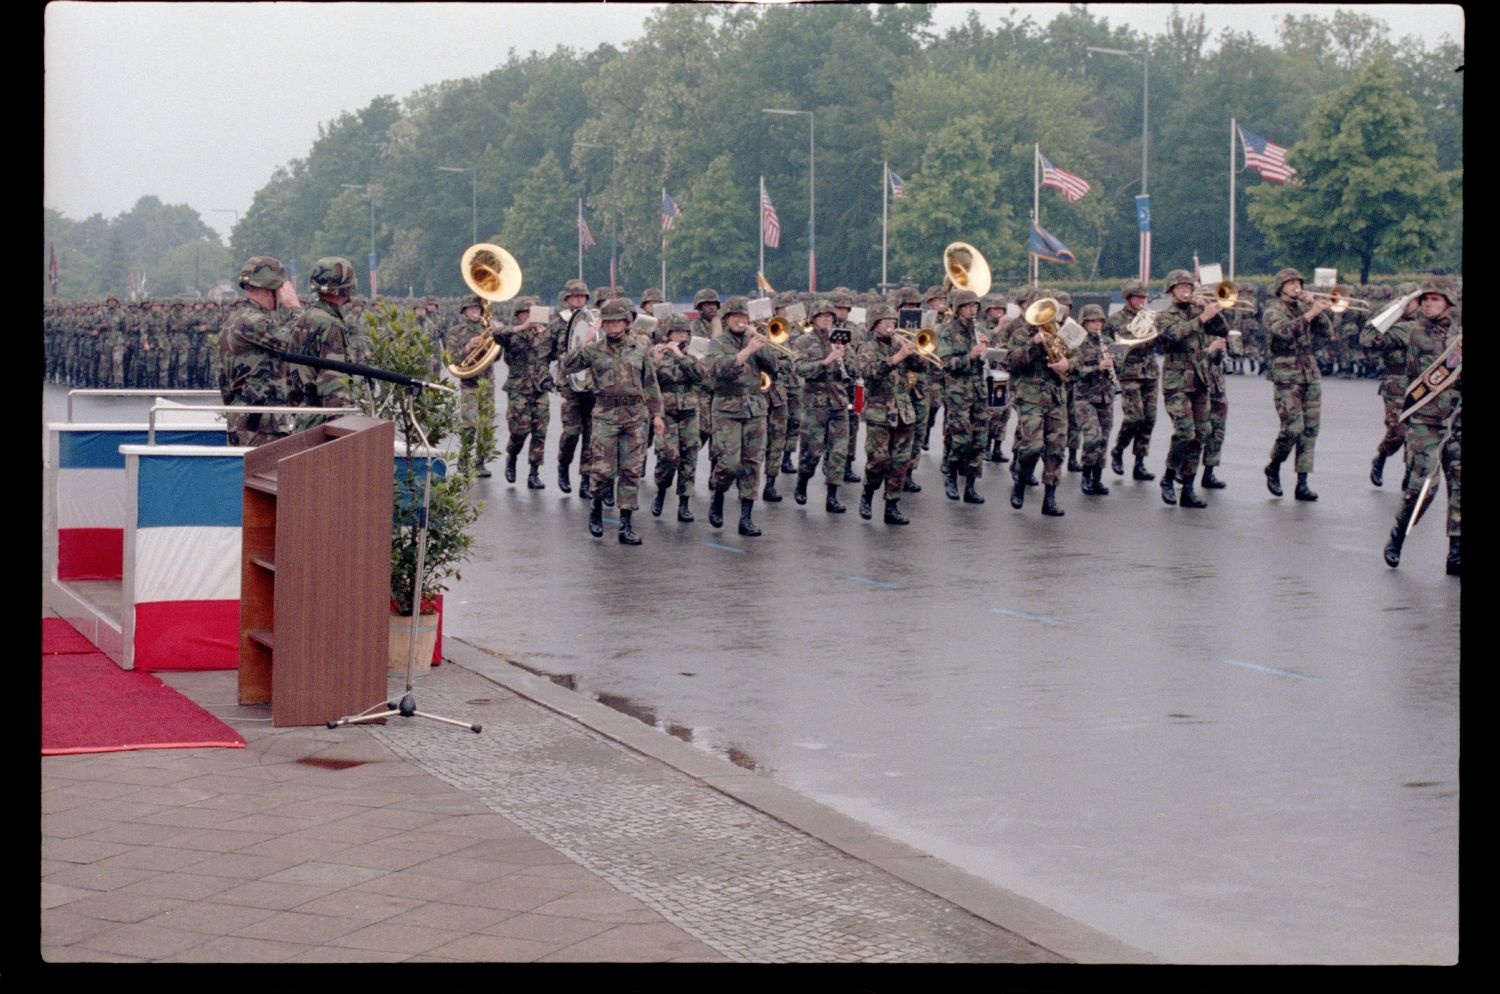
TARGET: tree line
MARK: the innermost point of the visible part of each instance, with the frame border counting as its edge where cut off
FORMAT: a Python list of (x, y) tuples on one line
[(1374, 126)]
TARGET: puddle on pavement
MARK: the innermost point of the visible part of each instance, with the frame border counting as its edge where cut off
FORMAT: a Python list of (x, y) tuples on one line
[(324, 763)]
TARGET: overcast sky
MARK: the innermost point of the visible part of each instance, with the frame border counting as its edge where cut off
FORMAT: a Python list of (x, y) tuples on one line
[(198, 103)]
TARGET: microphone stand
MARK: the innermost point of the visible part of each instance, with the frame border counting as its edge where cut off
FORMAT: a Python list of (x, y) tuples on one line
[(407, 705)]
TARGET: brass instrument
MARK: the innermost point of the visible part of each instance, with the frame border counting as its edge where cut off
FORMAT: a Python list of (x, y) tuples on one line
[(1386, 319), (494, 275), (1338, 301), (1042, 315), (965, 269), (1226, 295), (765, 381), (580, 382), (1142, 329), (925, 342), (777, 332)]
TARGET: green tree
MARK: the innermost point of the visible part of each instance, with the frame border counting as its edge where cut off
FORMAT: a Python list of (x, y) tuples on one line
[(954, 196), (715, 239), (1373, 189), (345, 230), (540, 230), (192, 268)]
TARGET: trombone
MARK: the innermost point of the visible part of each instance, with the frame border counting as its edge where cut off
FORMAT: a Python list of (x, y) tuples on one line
[(1226, 295), (925, 342), (1338, 301), (777, 332)]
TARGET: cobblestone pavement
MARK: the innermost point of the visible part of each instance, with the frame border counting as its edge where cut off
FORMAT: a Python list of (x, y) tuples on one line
[(735, 878)]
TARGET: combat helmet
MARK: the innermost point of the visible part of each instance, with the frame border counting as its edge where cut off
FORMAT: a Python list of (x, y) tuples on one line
[(263, 272), (332, 276), (707, 295), (1282, 279), (737, 305), (1091, 312), (615, 309), (1178, 276)]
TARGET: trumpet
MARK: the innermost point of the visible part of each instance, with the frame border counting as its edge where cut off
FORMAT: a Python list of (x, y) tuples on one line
[(1338, 301), (1226, 295), (924, 341)]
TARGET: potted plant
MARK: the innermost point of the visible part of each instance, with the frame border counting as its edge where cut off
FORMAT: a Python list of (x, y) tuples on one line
[(399, 345)]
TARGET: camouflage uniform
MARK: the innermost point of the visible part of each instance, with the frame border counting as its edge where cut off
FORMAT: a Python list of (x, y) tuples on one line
[(1187, 387), (825, 400), (890, 417), (677, 448), (472, 412), (1140, 382), (625, 395), (1041, 416), (319, 331), (529, 352), (928, 385), (1295, 376), (1390, 354), (249, 374), (787, 379), (577, 406), (704, 326), (843, 303), (965, 397), (1093, 399), (1429, 439), (738, 443), (999, 417)]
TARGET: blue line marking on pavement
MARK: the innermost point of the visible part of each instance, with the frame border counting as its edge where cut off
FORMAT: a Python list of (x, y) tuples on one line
[(874, 583), (610, 521), (1044, 619), (726, 548), (1266, 669)]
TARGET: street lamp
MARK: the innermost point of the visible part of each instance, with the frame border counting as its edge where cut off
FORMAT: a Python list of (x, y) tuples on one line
[(614, 201), (369, 195), (812, 202), (474, 208), (1145, 56)]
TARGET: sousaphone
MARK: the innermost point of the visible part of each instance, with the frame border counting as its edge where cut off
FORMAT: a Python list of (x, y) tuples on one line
[(965, 269), (494, 275)]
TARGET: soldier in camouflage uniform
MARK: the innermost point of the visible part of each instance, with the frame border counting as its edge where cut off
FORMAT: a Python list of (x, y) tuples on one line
[(577, 405), (1435, 431), (778, 417), (735, 361), (625, 394), (1140, 381), (825, 399), (1390, 354), (1291, 326), (1191, 334), (530, 349), (936, 301), (678, 375), (463, 336), (249, 371), (961, 346), (995, 322), (889, 369), (922, 394), (1218, 414), (319, 330), (1036, 382), (1093, 383), (787, 379), (843, 302), (706, 303)]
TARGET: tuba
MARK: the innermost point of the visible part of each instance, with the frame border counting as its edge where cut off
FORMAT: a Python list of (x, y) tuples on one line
[(494, 275), (965, 269)]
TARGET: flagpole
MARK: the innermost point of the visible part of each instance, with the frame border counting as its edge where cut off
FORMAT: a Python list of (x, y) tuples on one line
[(1036, 207), (664, 248), (760, 212), (885, 218), (1231, 198), (579, 226)]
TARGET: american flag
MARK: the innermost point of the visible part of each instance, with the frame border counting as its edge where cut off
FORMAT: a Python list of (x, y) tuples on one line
[(1266, 158), (898, 188), (1073, 187), (585, 236), (669, 211), (770, 223)]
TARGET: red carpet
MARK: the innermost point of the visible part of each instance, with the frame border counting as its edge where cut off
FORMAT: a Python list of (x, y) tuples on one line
[(59, 636), (91, 705)]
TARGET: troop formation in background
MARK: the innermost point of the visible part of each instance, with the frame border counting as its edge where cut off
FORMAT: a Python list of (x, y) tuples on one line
[(787, 391)]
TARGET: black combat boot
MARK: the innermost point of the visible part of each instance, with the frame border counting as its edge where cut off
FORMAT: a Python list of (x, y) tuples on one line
[(893, 515), (849, 475), (608, 489), (484, 472), (658, 501), (950, 483), (1452, 568), (1210, 481), (1100, 490), (787, 465), (1018, 473), (799, 493), (972, 496), (1273, 478), (1303, 491), (563, 483), (684, 512), (1168, 489), (747, 527), (1189, 497), (865, 510), (769, 493), (596, 518), (991, 450), (510, 467), (1117, 461), (832, 505), (585, 486), (1087, 486), (943, 466), (534, 481), (1377, 469), (1073, 464), (911, 486), (1141, 472), (716, 509), (1000, 451), (627, 534), (1049, 502), (1394, 543)]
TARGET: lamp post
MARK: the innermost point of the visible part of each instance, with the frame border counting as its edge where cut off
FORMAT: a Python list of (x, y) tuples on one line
[(474, 206), (369, 195), (614, 201), (1145, 56), (812, 202)]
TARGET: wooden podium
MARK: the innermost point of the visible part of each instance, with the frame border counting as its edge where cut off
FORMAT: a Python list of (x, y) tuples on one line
[(315, 580)]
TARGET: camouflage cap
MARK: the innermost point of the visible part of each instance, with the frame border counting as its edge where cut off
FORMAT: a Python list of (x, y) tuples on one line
[(1091, 312), (262, 271), (821, 306), (1282, 278), (472, 300), (615, 309), (707, 295), (333, 276), (1176, 277), (992, 301), (737, 305), (961, 297), (878, 313), (1132, 288), (1442, 287), (651, 295), (573, 287), (841, 297)]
